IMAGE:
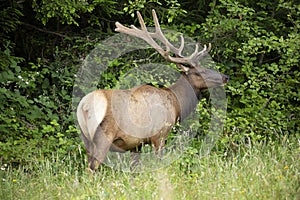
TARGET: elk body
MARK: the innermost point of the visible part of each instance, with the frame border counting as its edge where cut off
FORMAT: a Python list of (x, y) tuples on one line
[(124, 120)]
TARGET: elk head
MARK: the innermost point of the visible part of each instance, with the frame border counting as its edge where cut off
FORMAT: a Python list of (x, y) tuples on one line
[(199, 77)]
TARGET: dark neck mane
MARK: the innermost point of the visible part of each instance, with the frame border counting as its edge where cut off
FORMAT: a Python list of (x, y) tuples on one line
[(187, 96)]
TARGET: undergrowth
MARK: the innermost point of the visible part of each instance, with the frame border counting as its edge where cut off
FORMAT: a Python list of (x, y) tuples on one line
[(260, 171)]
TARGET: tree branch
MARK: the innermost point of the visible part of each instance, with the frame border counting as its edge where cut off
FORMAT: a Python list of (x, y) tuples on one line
[(45, 31)]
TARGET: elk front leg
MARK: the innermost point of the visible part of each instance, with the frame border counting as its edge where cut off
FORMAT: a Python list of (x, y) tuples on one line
[(101, 145), (158, 144)]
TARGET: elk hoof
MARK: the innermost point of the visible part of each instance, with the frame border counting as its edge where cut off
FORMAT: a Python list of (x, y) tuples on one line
[(94, 164)]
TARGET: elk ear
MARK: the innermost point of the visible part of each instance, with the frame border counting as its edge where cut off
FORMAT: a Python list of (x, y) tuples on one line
[(183, 68)]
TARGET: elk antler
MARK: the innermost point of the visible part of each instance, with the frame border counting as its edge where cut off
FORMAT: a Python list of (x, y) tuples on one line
[(192, 60)]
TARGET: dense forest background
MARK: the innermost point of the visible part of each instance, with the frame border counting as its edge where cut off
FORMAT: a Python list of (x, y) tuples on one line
[(43, 42)]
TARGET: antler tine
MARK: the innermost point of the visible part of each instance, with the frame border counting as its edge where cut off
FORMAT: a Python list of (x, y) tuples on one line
[(194, 58), (160, 36), (140, 33), (204, 51), (156, 23), (181, 46), (141, 20)]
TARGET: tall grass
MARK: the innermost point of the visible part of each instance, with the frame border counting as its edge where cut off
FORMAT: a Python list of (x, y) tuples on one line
[(260, 171)]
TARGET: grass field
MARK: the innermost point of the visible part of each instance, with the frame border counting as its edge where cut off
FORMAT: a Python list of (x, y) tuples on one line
[(260, 171)]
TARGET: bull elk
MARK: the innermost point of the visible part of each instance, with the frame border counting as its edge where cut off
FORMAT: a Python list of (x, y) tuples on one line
[(124, 120)]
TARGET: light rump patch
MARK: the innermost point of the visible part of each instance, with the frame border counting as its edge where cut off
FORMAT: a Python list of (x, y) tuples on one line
[(91, 111)]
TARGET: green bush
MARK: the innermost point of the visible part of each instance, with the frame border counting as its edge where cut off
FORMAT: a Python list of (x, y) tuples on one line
[(258, 46)]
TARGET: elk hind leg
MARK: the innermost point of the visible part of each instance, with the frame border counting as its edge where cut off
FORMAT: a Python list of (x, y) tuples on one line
[(101, 145), (89, 146)]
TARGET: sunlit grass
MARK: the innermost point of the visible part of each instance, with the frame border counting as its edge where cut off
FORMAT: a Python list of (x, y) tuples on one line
[(261, 171)]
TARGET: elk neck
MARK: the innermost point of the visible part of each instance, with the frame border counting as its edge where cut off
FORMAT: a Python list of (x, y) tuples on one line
[(187, 95)]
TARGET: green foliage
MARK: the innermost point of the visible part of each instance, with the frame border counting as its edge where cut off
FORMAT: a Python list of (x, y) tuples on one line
[(36, 115), (173, 8), (9, 20), (68, 11), (258, 46)]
